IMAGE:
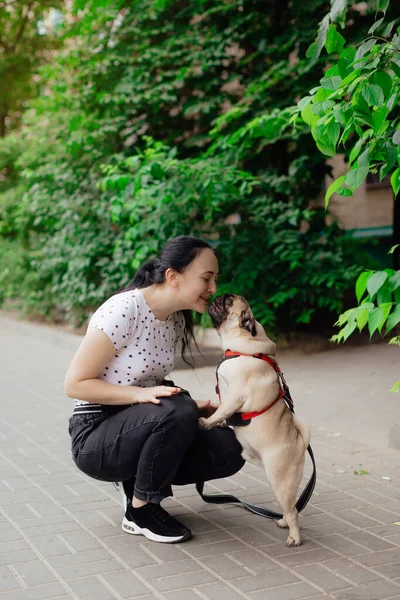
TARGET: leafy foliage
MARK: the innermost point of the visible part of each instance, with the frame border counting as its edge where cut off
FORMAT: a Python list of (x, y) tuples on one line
[(166, 117)]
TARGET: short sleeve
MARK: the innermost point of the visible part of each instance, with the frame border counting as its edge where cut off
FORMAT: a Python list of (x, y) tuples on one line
[(179, 325), (117, 317)]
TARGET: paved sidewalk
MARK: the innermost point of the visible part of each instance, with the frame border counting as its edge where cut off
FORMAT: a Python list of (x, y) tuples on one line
[(60, 533)]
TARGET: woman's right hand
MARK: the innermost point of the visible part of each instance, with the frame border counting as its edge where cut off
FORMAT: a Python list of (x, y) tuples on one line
[(153, 394)]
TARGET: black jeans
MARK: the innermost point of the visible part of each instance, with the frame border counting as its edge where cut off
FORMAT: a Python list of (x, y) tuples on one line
[(153, 446)]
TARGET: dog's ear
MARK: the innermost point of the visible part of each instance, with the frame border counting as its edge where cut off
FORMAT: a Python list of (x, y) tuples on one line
[(248, 322)]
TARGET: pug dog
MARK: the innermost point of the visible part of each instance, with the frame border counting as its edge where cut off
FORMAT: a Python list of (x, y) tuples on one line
[(275, 439)]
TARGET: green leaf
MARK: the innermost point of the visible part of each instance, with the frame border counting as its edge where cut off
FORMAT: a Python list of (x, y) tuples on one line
[(373, 95), (393, 248), (383, 5), (356, 176), (361, 284), (334, 40), (378, 118), (384, 81), (388, 29), (333, 187), (364, 48), (308, 116), (395, 181), (320, 108), (394, 280), (376, 25), (377, 318), (361, 472), (331, 83), (375, 282), (396, 137), (393, 319), (362, 318), (395, 389)]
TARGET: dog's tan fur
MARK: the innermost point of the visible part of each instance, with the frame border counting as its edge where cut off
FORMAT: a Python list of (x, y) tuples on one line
[(276, 439)]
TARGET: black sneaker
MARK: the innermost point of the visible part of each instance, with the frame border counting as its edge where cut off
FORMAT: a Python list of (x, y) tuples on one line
[(152, 521)]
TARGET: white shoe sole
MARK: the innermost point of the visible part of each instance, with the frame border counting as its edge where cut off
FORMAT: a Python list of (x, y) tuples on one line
[(133, 529)]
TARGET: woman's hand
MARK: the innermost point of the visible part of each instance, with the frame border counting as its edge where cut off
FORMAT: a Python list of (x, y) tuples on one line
[(206, 408), (153, 394)]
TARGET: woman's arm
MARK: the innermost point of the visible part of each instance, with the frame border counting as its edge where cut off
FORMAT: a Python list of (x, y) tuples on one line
[(94, 353)]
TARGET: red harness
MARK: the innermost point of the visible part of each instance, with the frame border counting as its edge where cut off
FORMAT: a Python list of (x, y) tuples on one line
[(249, 415)]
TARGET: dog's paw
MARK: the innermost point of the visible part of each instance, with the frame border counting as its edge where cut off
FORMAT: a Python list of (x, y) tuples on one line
[(282, 523), (291, 542), (203, 423)]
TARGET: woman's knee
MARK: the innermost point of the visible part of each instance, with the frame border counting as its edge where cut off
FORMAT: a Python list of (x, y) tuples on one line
[(181, 409)]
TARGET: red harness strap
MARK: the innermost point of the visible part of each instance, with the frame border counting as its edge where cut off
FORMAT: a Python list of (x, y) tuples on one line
[(230, 354)]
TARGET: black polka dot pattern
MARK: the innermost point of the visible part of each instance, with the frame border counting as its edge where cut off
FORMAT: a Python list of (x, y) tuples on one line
[(144, 346)]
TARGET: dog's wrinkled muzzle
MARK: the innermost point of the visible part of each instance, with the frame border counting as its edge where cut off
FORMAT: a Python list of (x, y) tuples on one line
[(217, 309)]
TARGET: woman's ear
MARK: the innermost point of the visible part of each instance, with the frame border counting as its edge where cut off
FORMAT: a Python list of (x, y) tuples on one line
[(171, 277)]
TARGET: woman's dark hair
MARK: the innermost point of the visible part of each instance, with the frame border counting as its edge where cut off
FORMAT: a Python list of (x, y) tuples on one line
[(177, 254)]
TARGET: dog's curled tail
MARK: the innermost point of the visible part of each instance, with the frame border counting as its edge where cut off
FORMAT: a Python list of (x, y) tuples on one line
[(303, 429)]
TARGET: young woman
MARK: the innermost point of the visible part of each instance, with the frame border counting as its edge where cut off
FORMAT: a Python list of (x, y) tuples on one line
[(130, 424)]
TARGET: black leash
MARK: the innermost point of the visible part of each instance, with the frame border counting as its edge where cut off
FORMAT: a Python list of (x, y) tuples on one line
[(260, 510)]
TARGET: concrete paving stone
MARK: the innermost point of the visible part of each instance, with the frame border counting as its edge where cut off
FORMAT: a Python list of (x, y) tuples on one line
[(183, 580), (356, 517), (373, 542), (246, 519), (161, 552), (272, 579), (217, 591), (197, 524), (95, 520), (320, 576), (379, 558), (167, 569), (19, 556), (333, 496), (215, 549), (343, 545), (7, 581), (8, 532), (87, 569), (34, 573), (8, 498), (44, 508), (390, 571), (134, 556), (225, 567), (321, 530), (209, 537), (385, 530), (79, 540), (354, 572), (50, 545), (380, 514), (186, 594), (83, 557), (254, 560), (280, 549), (38, 592), (113, 541), (125, 584), (393, 506), (13, 546), (90, 588), (37, 530), (371, 496), (305, 557), (376, 590), (252, 536), (293, 591)]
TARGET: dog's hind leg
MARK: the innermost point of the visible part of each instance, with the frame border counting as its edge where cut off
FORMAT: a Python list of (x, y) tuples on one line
[(285, 478)]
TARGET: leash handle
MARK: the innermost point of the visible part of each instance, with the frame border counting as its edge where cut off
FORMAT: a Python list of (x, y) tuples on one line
[(260, 510)]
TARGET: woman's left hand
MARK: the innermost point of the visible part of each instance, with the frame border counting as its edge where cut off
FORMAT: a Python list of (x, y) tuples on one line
[(206, 408)]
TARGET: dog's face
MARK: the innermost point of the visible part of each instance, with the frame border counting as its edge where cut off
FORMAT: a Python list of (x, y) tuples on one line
[(230, 313)]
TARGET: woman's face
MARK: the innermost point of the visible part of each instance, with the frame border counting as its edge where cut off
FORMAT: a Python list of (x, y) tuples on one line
[(198, 281)]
